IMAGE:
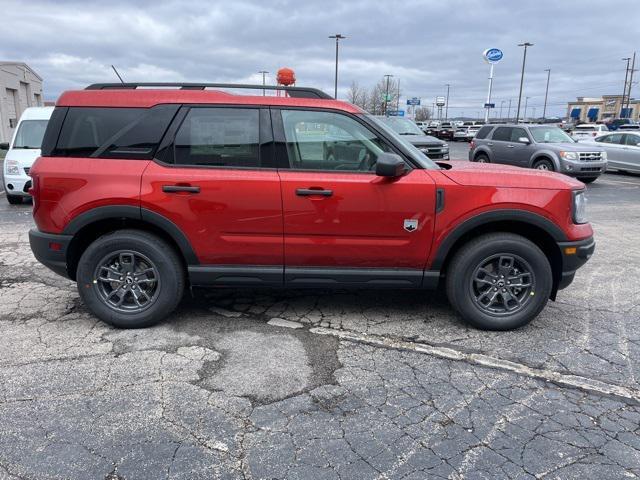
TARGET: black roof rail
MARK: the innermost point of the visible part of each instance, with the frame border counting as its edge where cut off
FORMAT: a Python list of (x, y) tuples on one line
[(295, 92)]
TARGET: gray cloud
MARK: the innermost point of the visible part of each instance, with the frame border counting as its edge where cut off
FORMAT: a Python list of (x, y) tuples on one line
[(424, 43)]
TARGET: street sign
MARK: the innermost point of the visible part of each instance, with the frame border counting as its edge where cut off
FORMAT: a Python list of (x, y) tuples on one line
[(413, 101), (492, 55), (396, 113), (489, 105)]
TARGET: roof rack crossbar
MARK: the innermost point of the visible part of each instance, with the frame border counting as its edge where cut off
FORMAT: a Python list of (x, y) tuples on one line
[(296, 92)]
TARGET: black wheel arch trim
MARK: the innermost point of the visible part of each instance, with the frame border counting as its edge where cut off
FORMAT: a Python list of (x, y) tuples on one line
[(494, 216), (135, 213)]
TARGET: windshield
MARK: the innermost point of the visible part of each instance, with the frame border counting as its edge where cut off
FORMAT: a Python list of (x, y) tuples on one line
[(30, 134), (550, 135), (402, 126), (416, 154)]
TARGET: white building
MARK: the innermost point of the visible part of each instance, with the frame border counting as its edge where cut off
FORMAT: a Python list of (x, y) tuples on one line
[(20, 88)]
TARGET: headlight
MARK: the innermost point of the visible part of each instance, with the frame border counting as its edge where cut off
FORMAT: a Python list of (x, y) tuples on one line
[(445, 146), (604, 155), (12, 167), (579, 206), (569, 155)]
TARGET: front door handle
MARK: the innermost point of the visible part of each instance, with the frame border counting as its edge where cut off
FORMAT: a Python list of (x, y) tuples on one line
[(306, 192), (490, 144), (180, 188), (509, 146)]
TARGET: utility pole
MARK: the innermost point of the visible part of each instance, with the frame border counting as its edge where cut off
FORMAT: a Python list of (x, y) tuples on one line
[(509, 111), (524, 61), (501, 104), (264, 73), (338, 37), (546, 93), (624, 90), (526, 100), (398, 98), (446, 108), (633, 66), (386, 94)]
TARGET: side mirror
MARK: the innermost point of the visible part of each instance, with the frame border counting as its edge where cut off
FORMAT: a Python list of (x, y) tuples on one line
[(389, 165), (4, 146), (524, 140)]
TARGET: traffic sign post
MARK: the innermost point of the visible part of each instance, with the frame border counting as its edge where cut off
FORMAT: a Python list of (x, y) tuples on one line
[(413, 101)]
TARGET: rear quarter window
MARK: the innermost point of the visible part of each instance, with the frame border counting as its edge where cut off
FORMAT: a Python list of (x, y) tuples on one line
[(113, 132)]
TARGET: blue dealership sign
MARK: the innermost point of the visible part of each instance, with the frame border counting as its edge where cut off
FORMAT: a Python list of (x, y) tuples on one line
[(413, 101), (396, 113), (492, 55)]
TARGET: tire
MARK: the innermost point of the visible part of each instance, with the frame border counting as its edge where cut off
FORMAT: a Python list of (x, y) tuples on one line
[(481, 158), (588, 179), (14, 199), (467, 295), (544, 164), (126, 252)]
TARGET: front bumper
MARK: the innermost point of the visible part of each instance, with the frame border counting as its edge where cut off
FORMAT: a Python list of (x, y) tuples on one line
[(578, 169), (574, 255), (51, 250), (17, 185)]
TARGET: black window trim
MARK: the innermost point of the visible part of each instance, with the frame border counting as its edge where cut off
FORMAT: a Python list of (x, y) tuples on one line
[(509, 127), (165, 156), (281, 142)]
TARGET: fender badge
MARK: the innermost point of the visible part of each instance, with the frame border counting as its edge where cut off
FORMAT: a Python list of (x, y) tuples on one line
[(410, 225)]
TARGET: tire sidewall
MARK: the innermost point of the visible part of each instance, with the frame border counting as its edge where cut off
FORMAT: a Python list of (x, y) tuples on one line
[(170, 287), (544, 160), (464, 302)]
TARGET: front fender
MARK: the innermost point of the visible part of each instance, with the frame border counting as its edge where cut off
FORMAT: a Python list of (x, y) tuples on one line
[(550, 154)]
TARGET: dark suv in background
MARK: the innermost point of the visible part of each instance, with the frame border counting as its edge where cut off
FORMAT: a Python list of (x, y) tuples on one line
[(432, 147), (542, 147)]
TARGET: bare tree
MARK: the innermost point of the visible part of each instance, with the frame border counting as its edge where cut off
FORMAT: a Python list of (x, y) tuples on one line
[(422, 114), (373, 100), (357, 95)]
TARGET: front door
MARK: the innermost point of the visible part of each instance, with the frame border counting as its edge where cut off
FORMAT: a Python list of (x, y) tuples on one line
[(215, 183), (343, 223)]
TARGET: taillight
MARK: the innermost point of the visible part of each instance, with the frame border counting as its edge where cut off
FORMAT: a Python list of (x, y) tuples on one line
[(472, 144), (593, 134)]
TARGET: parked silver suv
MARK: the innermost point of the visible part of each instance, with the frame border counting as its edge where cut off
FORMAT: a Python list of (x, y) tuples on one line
[(542, 147)]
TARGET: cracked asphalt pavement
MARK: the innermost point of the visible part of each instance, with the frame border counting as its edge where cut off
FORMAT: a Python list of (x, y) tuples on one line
[(371, 386)]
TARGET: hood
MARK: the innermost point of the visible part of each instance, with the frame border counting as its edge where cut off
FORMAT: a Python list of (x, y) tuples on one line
[(422, 140), (490, 175), (26, 157)]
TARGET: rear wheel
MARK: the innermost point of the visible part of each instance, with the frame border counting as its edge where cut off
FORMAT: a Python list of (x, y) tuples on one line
[(482, 158), (499, 281), (543, 164), (130, 279), (14, 199)]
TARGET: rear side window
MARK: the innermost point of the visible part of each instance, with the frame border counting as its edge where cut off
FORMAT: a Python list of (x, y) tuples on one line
[(502, 134), (219, 137), (483, 132), (113, 132)]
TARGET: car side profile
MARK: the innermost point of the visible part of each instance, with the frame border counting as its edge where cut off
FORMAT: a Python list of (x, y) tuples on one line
[(541, 147), (141, 193), (623, 150)]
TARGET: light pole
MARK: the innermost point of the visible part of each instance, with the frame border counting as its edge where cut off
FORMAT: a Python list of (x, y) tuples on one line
[(386, 94), (446, 108), (524, 61), (338, 37), (546, 93), (501, 104), (633, 69), (526, 100), (264, 73), (624, 90), (509, 111)]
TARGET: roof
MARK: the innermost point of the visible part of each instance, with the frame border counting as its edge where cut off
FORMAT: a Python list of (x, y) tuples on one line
[(21, 64), (149, 97)]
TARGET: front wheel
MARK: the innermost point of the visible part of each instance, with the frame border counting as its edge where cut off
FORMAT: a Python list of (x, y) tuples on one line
[(130, 278), (544, 165), (482, 158), (499, 281), (588, 179), (14, 199)]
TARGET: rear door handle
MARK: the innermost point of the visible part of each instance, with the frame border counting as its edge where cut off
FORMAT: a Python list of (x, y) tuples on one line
[(180, 188), (306, 192), (509, 146)]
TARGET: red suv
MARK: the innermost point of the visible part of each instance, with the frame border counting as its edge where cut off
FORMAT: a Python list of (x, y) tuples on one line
[(143, 192)]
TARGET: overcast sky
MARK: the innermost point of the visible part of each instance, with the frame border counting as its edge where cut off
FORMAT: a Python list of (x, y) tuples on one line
[(423, 43)]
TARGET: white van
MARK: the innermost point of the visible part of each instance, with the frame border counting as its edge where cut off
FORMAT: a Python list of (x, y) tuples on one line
[(23, 151)]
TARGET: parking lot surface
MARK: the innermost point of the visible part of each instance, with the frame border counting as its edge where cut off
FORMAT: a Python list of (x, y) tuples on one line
[(306, 384)]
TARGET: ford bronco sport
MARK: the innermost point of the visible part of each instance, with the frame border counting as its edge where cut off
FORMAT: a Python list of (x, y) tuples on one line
[(142, 192)]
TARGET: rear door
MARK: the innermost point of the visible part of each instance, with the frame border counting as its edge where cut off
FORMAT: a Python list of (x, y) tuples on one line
[(632, 151), (518, 152), (343, 223), (613, 144), (498, 143), (215, 180)]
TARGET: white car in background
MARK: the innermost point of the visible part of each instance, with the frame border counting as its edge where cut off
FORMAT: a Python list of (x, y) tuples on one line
[(23, 150), (589, 131), (623, 149)]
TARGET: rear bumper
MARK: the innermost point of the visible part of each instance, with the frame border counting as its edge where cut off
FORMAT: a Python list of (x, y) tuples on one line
[(573, 261), (51, 250)]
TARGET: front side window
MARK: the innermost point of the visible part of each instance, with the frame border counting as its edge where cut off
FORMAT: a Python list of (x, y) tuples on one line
[(615, 138), (632, 140), (30, 134), (517, 134), (502, 134), (330, 141), (550, 135), (219, 137)]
